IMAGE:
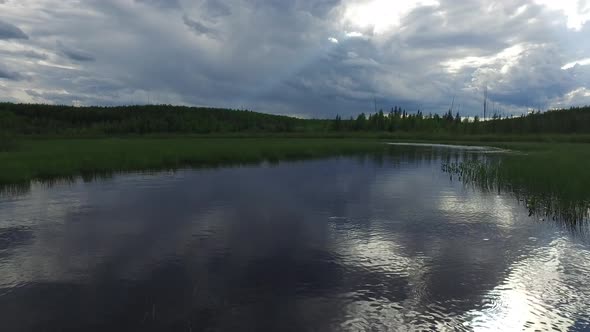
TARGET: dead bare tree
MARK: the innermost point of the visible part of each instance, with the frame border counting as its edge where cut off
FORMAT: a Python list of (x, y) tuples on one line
[(485, 101)]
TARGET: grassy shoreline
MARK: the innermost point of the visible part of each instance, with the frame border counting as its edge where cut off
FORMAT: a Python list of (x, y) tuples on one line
[(45, 159), (549, 175), (547, 167), (552, 180)]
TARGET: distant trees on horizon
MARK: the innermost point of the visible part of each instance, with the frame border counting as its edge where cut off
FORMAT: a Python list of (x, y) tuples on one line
[(565, 121), (34, 119)]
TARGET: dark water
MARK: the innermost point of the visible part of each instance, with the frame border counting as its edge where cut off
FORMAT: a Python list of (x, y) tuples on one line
[(343, 244)]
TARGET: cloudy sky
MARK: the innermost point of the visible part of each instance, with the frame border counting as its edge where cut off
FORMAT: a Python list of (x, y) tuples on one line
[(298, 57)]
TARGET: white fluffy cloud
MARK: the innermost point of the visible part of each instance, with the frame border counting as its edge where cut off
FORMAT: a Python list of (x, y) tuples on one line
[(298, 57)]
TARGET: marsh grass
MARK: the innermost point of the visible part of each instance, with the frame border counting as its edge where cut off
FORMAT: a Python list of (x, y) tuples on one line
[(51, 159), (552, 180)]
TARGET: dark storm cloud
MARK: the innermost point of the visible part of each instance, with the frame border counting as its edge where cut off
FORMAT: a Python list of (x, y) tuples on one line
[(31, 54), (299, 57), (9, 75), (197, 27), (535, 79), (74, 53), (10, 31)]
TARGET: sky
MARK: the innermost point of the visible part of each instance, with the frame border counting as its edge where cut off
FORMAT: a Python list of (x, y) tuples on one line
[(305, 58)]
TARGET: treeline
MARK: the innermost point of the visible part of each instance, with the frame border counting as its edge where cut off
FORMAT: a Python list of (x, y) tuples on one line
[(398, 120), (34, 119), (571, 121), (575, 120)]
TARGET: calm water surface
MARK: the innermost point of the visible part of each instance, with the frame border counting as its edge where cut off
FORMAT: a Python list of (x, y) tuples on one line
[(343, 244)]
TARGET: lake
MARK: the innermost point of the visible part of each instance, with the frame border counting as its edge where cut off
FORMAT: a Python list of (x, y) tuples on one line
[(364, 243)]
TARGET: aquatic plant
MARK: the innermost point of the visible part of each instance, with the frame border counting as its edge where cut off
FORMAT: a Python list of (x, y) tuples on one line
[(548, 184), (51, 159)]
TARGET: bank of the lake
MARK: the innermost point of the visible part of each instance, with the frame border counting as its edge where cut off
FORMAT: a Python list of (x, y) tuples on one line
[(46, 158), (552, 176), (34, 159), (551, 179)]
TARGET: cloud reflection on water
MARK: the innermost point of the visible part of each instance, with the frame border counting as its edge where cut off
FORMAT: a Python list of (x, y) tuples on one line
[(338, 244)]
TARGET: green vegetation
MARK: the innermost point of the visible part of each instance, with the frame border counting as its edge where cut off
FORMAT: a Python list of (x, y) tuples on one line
[(46, 120), (41, 142), (551, 179), (7, 143), (62, 158), (574, 121), (30, 119)]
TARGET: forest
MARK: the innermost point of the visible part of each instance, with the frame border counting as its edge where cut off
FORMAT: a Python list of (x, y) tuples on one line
[(33, 119), (36, 119), (570, 121)]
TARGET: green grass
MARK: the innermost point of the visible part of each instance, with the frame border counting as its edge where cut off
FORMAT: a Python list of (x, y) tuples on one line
[(563, 169), (553, 179), (555, 167), (43, 159)]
